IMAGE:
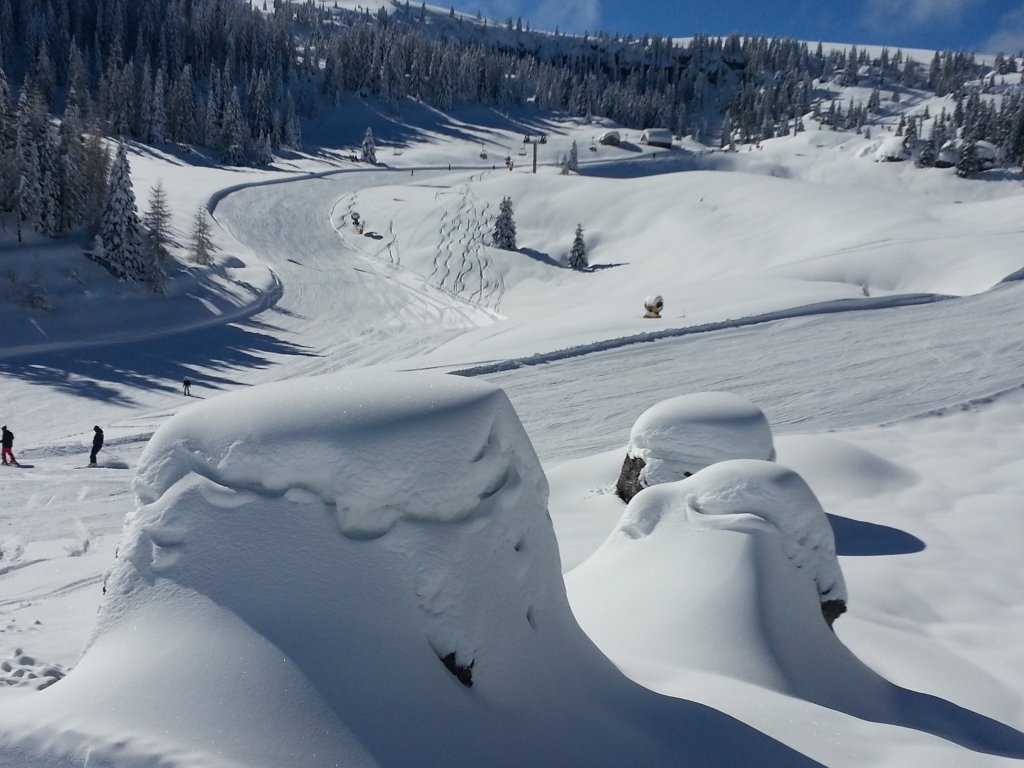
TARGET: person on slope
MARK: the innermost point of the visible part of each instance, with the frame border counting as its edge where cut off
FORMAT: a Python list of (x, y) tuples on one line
[(186, 387), (97, 443), (7, 441)]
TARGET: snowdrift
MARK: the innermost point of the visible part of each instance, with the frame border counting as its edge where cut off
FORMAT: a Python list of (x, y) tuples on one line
[(353, 570), (724, 572)]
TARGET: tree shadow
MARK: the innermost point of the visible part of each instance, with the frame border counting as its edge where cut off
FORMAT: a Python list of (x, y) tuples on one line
[(104, 373), (855, 538), (543, 258)]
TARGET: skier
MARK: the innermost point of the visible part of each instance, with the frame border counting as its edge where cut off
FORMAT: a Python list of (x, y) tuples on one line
[(97, 443), (186, 387), (7, 441)]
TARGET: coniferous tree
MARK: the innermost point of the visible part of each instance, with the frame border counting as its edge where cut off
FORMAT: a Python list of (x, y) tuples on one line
[(578, 253), (504, 236), (969, 164), (95, 176), (368, 152), (119, 241), (574, 157), (928, 154), (49, 187), (157, 224), (201, 245), (28, 144), (263, 150), (71, 165), (158, 120), (292, 138)]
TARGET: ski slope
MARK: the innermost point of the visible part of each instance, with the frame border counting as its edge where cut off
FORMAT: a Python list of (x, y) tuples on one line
[(925, 508)]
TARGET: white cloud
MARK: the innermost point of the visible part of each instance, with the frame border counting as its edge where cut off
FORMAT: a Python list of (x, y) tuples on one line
[(1009, 34), (905, 13)]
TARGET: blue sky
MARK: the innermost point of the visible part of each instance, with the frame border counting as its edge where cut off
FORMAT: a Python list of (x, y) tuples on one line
[(975, 25)]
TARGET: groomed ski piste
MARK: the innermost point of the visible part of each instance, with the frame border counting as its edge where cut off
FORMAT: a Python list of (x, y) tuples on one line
[(333, 535)]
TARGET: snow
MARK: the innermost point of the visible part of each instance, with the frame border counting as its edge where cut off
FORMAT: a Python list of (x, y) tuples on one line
[(679, 436), (407, 524), (329, 515)]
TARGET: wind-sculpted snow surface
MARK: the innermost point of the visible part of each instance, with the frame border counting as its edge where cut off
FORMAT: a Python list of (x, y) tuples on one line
[(354, 570), (744, 495)]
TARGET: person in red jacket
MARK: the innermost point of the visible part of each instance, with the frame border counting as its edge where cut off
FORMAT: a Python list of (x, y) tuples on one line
[(7, 441)]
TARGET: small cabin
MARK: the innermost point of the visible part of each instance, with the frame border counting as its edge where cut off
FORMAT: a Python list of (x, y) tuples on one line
[(610, 139), (657, 137)]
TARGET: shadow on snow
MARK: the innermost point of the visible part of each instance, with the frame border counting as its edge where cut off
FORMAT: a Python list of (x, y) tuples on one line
[(108, 373)]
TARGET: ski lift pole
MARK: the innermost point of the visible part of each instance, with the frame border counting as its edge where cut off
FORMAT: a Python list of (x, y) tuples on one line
[(535, 140)]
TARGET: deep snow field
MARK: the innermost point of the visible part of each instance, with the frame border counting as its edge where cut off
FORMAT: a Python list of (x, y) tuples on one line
[(296, 561)]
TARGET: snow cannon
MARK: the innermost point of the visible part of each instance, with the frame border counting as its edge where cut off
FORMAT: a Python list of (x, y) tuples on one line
[(653, 306)]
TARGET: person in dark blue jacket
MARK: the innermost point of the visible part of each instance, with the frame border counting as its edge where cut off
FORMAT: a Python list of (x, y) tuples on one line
[(97, 443)]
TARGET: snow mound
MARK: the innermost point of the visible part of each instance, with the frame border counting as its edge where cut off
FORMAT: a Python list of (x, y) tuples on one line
[(682, 435), (353, 443), (353, 570), (846, 470), (724, 572), (747, 495)]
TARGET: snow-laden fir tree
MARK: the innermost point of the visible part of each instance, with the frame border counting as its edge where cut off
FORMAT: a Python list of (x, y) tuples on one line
[(505, 227), (158, 119), (201, 245), (969, 163), (119, 242), (369, 148), (574, 157), (157, 224), (72, 162), (578, 252)]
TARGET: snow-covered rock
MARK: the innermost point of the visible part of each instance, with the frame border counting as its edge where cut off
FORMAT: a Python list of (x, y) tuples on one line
[(891, 150), (680, 436), (361, 570), (723, 572)]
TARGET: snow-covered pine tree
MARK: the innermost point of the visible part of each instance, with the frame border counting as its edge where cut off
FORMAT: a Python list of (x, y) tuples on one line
[(95, 175), (157, 223), (505, 227), (49, 178), (8, 142), (263, 152), (578, 253), (928, 154), (119, 241), (30, 133), (968, 164), (563, 165), (201, 246), (71, 165), (910, 136), (574, 157), (158, 122), (369, 148), (292, 131)]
